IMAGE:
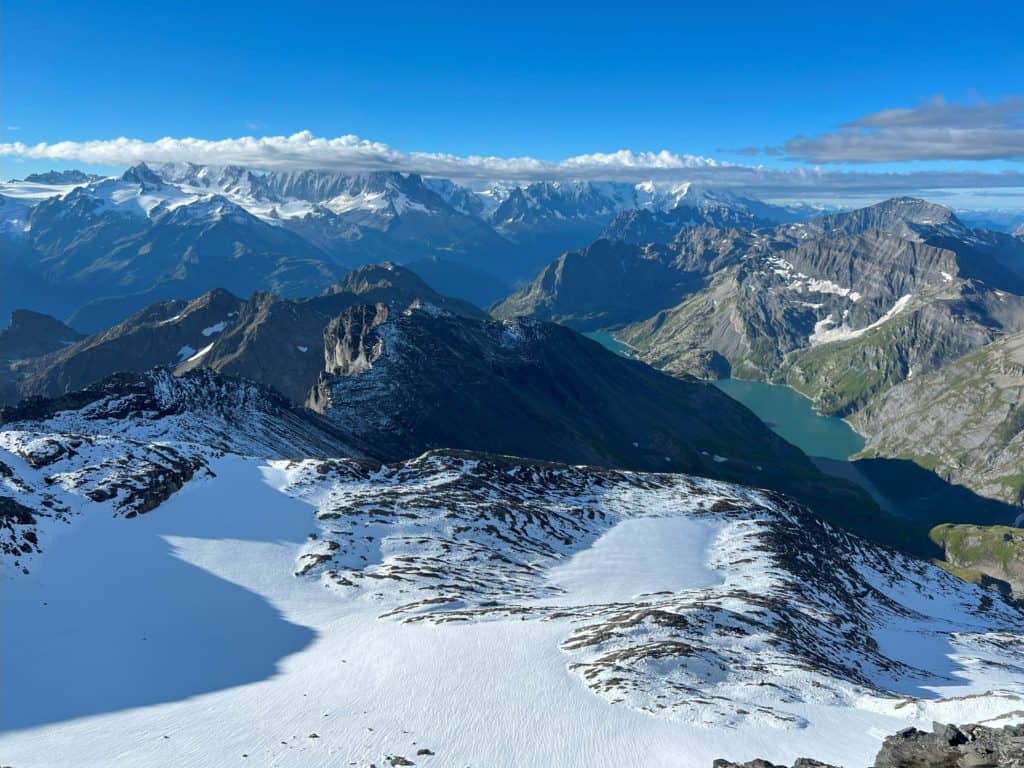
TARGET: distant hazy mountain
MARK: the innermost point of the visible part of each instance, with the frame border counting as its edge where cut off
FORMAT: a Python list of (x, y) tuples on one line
[(453, 278), (31, 334), (61, 177), (110, 247), (997, 220), (551, 217), (690, 206)]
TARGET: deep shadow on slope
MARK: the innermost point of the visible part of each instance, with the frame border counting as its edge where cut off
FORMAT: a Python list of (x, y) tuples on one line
[(917, 499), (111, 617)]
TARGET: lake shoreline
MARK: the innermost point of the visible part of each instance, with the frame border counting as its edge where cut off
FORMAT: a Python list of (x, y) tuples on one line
[(795, 419)]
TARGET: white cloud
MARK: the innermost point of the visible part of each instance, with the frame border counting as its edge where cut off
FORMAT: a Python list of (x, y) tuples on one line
[(352, 154), (349, 153), (935, 130)]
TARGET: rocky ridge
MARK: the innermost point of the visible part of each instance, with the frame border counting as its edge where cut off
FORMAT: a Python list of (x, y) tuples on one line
[(420, 379), (269, 339), (135, 439)]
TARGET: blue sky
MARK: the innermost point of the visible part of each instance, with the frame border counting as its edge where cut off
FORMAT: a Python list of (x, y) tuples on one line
[(547, 80)]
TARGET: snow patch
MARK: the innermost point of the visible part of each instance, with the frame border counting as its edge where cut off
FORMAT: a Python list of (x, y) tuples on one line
[(200, 353), (623, 619), (638, 557), (215, 328), (824, 333)]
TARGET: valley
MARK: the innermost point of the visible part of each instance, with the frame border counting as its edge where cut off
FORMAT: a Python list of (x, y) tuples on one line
[(783, 409), (623, 505)]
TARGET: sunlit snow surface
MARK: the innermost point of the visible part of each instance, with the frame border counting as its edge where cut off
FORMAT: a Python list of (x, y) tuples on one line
[(491, 612)]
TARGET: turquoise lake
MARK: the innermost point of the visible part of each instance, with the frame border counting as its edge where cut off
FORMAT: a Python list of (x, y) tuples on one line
[(785, 410), (608, 341), (791, 415)]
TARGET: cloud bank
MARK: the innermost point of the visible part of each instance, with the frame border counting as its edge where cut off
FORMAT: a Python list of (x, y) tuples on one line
[(352, 154), (935, 130)]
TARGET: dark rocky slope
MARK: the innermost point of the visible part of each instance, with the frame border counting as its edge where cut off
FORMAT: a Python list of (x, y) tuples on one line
[(269, 339), (406, 382), (163, 334), (31, 334)]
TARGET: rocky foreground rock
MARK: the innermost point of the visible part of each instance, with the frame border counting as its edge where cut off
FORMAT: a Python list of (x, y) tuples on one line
[(946, 746)]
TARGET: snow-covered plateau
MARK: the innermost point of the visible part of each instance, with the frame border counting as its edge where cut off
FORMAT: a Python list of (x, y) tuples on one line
[(452, 610)]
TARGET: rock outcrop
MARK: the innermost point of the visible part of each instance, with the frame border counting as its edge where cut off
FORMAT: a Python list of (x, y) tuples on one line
[(945, 746), (949, 746)]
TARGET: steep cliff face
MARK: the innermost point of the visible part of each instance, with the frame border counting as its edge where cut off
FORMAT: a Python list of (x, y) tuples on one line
[(351, 344), (964, 420)]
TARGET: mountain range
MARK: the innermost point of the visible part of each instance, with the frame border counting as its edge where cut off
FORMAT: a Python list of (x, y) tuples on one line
[(898, 316), (92, 250), (841, 306), (399, 370)]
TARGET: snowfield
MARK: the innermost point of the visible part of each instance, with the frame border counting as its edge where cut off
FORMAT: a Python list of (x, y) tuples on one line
[(825, 333), (491, 611)]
